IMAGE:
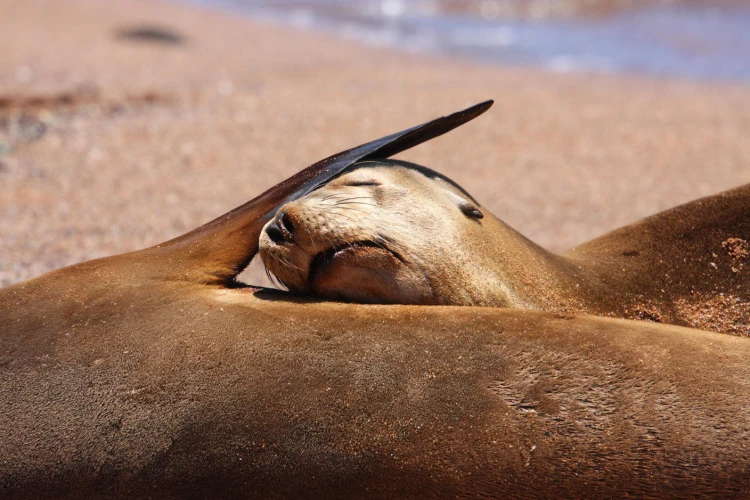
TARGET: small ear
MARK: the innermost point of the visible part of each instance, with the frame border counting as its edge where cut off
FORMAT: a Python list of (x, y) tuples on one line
[(468, 208), (217, 252), (472, 211)]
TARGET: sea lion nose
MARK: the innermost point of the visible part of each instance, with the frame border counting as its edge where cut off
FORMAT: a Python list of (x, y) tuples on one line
[(281, 229)]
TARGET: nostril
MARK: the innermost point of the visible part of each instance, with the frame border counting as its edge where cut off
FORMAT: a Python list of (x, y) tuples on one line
[(286, 224), (274, 233)]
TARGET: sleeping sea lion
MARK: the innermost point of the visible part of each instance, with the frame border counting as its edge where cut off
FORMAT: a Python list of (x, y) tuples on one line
[(155, 375), (387, 231)]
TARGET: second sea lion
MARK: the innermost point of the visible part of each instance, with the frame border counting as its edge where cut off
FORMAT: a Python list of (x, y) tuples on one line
[(395, 232)]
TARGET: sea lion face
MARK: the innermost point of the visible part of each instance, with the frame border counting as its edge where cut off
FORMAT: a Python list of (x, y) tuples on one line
[(376, 234)]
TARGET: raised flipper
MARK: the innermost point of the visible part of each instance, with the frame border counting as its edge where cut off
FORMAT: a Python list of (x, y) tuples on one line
[(688, 265), (218, 251)]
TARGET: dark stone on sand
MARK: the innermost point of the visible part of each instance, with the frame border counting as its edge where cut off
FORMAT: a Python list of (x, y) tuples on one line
[(151, 34)]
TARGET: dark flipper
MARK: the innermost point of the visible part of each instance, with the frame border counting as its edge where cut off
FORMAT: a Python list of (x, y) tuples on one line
[(216, 252)]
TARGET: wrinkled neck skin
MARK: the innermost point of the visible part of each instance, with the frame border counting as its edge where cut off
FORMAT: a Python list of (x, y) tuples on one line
[(502, 268)]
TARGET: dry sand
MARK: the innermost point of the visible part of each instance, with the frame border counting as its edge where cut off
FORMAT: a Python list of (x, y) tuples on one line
[(110, 145)]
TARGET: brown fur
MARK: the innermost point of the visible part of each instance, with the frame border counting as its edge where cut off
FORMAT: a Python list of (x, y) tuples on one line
[(147, 375), (685, 266)]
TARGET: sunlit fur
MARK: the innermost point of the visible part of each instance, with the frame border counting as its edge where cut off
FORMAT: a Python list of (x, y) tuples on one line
[(428, 247)]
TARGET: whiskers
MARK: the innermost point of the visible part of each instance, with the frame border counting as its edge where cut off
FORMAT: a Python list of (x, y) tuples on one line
[(281, 263), (342, 201), (337, 205), (274, 281)]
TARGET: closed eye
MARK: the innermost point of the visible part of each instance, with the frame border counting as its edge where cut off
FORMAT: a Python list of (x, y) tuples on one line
[(362, 183)]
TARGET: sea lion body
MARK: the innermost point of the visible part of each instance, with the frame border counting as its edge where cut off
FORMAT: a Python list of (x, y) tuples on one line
[(423, 246), (115, 385), (155, 374)]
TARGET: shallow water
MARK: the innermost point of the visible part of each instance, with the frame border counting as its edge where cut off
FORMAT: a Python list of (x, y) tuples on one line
[(689, 39)]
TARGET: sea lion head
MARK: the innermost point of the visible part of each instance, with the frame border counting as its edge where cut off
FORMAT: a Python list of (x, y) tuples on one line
[(378, 233)]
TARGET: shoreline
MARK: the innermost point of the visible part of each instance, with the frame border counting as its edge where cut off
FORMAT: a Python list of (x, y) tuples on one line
[(695, 40), (140, 141)]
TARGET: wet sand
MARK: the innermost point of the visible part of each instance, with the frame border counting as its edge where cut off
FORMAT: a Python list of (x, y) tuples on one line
[(110, 143)]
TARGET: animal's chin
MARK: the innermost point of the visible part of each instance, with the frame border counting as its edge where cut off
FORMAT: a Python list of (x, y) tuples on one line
[(360, 271)]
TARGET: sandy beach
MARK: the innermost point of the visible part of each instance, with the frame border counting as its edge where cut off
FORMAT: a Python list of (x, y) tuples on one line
[(111, 143)]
